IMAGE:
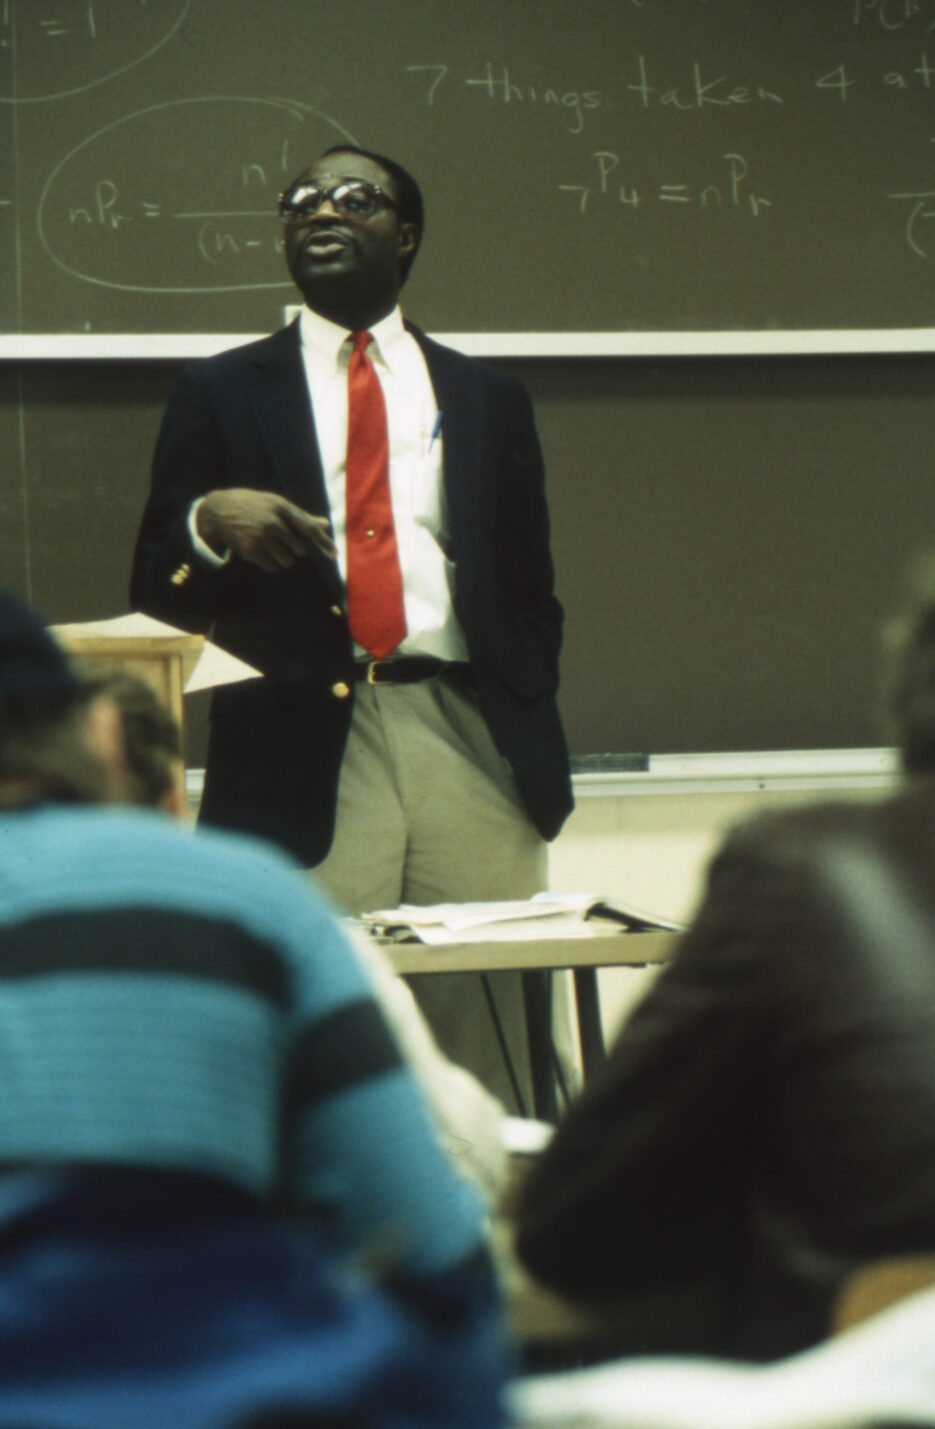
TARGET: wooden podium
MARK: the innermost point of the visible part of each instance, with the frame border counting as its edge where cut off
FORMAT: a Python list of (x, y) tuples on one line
[(163, 661)]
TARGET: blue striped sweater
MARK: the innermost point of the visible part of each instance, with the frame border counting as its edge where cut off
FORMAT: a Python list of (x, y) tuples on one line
[(190, 1003)]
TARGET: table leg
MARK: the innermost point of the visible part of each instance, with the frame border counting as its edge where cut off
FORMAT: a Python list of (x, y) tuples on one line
[(537, 1003), (590, 1029)]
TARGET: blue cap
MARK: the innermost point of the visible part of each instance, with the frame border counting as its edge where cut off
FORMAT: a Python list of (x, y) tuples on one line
[(31, 662)]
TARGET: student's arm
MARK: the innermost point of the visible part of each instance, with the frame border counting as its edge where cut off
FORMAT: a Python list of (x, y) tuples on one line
[(643, 1183), (360, 1144)]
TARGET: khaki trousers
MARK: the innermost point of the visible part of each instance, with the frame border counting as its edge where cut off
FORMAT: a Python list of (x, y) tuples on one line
[(427, 812)]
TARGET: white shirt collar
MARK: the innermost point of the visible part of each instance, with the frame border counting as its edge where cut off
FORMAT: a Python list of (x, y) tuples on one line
[(325, 340)]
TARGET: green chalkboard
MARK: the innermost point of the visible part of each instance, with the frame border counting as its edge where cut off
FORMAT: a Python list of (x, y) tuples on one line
[(728, 534), (589, 165)]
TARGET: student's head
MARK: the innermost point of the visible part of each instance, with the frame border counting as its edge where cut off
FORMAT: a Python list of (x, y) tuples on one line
[(59, 740), (909, 682), (153, 766), (349, 254)]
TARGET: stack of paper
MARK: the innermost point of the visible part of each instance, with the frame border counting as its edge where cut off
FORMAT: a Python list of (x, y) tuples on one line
[(558, 915)]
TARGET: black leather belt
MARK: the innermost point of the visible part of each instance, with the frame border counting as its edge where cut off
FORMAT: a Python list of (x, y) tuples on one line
[(406, 670)]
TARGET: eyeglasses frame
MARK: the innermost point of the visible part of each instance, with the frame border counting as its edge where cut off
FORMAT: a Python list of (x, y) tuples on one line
[(328, 196)]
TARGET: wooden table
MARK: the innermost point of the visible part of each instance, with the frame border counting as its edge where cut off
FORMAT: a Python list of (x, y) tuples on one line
[(163, 661), (583, 956), (606, 950)]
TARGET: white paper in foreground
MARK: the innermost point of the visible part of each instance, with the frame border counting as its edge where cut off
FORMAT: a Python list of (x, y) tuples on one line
[(882, 1371)]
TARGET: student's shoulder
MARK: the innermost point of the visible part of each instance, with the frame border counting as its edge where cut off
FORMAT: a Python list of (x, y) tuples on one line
[(146, 859), (799, 835)]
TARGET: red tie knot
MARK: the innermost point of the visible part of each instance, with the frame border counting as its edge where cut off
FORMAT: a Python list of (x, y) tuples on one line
[(360, 341)]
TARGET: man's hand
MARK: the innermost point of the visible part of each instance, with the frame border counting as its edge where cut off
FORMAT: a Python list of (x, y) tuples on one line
[(261, 527)]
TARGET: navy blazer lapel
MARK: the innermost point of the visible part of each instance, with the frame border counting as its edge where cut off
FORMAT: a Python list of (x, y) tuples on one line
[(458, 394), (279, 395)]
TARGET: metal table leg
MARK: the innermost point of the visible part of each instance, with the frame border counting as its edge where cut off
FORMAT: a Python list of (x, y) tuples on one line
[(537, 1003), (590, 1030)]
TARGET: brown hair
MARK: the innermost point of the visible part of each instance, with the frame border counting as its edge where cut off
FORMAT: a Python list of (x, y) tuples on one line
[(151, 735), (43, 746)]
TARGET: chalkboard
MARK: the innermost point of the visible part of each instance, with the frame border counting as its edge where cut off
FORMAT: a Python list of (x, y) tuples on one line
[(589, 165), (728, 533)]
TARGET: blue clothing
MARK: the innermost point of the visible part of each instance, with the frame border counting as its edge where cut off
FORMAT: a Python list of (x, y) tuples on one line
[(202, 1119), (165, 1304)]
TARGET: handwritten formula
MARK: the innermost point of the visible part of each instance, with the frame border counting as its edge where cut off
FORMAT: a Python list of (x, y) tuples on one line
[(652, 163), (109, 219)]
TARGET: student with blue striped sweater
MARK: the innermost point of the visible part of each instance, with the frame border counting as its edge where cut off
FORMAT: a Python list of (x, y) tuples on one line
[(221, 1201)]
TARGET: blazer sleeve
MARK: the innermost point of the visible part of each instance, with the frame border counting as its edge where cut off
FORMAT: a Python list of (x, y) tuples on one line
[(529, 526), (169, 579), (521, 630)]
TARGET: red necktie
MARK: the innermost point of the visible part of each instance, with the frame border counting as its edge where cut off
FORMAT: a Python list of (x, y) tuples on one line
[(375, 607)]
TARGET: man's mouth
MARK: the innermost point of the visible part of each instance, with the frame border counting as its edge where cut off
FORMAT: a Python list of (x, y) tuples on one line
[(326, 243)]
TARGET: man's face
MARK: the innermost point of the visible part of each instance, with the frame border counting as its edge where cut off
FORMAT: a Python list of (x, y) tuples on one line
[(332, 254)]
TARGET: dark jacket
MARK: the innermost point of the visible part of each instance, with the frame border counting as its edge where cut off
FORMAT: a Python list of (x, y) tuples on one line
[(766, 1120), (243, 419)]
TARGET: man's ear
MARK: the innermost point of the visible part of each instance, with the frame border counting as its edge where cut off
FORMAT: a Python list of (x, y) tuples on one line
[(408, 239)]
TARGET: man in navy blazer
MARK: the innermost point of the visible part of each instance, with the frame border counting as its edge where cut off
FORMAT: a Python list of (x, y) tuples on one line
[(243, 533)]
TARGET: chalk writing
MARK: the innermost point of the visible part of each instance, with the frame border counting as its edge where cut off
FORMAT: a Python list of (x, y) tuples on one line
[(895, 14), (110, 219), (498, 84), (699, 92), (837, 81), (921, 211), (783, 158), (105, 37), (920, 74), (107, 208), (729, 191), (702, 92), (502, 86), (437, 71)]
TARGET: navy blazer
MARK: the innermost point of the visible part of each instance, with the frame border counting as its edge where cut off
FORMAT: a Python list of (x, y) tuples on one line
[(243, 418)]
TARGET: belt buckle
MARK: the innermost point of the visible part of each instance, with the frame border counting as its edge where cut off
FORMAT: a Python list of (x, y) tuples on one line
[(371, 676)]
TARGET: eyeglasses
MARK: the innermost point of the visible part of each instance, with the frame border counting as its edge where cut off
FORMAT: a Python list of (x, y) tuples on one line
[(351, 200)]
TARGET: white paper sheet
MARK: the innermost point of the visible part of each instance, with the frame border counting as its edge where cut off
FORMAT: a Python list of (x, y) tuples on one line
[(213, 666), (882, 1371)]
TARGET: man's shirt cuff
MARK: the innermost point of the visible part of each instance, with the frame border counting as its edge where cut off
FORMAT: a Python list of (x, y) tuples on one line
[(201, 546)]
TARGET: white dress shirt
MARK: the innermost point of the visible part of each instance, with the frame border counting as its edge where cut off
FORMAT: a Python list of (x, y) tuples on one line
[(416, 488), (416, 434)]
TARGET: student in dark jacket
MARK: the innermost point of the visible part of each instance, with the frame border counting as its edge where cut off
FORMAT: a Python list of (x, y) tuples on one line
[(766, 1120)]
